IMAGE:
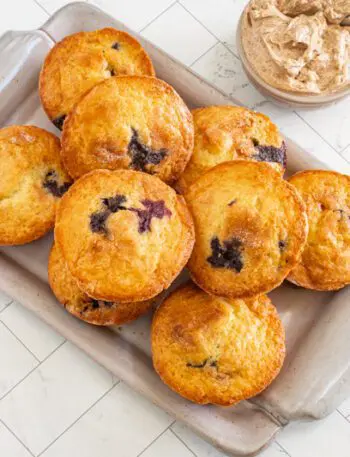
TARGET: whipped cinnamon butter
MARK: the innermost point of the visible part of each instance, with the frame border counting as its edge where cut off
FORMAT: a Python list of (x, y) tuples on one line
[(299, 46)]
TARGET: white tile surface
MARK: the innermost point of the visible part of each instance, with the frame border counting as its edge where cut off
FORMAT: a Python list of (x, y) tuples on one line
[(5, 300), (174, 30), (53, 396), (21, 15), (15, 361), (223, 69), (9, 445), (327, 438), (123, 423), (134, 13), (332, 122), (38, 337), (167, 445), (220, 17)]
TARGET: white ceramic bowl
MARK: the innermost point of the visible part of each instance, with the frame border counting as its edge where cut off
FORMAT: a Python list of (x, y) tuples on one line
[(285, 98)]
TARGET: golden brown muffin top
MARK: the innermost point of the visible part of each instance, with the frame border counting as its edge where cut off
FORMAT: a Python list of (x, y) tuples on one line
[(224, 133), (82, 60), (125, 235), (97, 312), (31, 184), (250, 227), (325, 262), (215, 350), (129, 122)]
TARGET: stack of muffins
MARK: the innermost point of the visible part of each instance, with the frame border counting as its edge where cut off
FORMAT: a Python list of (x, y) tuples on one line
[(139, 187)]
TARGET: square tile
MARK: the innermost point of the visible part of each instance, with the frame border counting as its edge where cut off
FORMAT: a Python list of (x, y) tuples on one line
[(53, 396), (324, 438), (224, 70), (136, 14), (37, 336), (221, 18), (123, 423), (5, 300), (167, 445), (21, 15), (179, 34), (331, 122), (15, 360), (10, 446)]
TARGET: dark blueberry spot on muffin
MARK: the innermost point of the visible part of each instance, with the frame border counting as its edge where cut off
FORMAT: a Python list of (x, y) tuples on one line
[(59, 121), (98, 222), (232, 202), (113, 72), (197, 365), (152, 209), (255, 142), (95, 304), (206, 362), (142, 155), (116, 46), (114, 204), (99, 218), (51, 184), (271, 154), (227, 255), (282, 245)]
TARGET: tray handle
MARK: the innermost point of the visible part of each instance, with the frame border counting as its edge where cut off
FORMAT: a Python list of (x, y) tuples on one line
[(21, 56)]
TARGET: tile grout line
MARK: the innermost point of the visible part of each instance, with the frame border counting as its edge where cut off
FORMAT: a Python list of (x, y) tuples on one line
[(42, 7), (282, 448), (20, 341), (77, 419), (6, 306), (208, 30), (16, 437), (157, 16), (182, 441), (156, 438), (347, 418), (314, 130), (204, 53), (31, 371)]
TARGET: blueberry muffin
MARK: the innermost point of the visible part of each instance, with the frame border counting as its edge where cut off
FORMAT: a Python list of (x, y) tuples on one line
[(216, 350), (250, 226), (125, 235), (132, 122), (224, 133), (97, 312), (80, 61), (325, 262), (32, 182)]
